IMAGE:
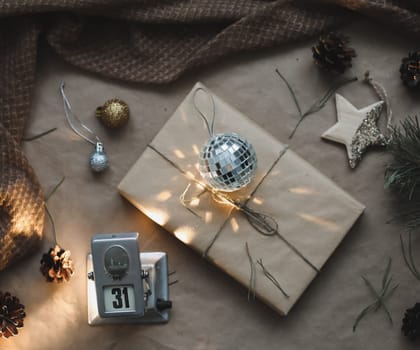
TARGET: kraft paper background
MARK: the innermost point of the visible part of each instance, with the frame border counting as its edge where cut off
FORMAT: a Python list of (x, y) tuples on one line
[(210, 308)]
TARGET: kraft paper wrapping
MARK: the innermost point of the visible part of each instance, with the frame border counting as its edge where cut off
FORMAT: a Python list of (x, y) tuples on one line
[(313, 213)]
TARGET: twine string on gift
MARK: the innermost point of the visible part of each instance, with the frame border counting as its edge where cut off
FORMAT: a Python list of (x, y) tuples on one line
[(383, 95), (72, 119), (185, 201), (261, 222)]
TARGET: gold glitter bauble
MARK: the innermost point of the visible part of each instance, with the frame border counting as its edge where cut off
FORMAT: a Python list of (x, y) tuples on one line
[(114, 113)]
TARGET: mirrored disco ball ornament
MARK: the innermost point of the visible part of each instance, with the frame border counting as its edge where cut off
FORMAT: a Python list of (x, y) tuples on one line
[(227, 162)]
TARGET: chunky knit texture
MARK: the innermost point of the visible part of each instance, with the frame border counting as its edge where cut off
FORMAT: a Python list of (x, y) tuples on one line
[(139, 41)]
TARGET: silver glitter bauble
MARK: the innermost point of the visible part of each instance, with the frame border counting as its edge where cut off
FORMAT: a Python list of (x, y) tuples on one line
[(99, 159), (227, 162)]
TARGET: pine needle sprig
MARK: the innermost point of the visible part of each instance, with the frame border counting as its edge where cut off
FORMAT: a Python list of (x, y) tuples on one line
[(47, 197), (409, 215), (252, 276), (272, 279), (403, 173), (387, 290), (408, 256), (37, 136), (316, 105)]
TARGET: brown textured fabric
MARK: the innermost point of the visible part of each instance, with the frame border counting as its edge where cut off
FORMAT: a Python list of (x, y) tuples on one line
[(21, 203), (140, 41)]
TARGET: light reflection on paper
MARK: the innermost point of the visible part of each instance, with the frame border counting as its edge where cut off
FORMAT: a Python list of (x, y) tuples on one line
[(325, 223), (179, 154), (185, 234), (234, 224), (163, 196), (199, 186), (196, 150), (302, 190), (195, 202), (157, 215), (184, 116), (190, 175), (208, 216), (257, 200)]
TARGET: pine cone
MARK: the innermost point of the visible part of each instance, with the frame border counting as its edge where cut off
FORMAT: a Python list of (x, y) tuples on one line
[(411, 322), (332, 52), (56, 265), (12, 314), (410, 69)]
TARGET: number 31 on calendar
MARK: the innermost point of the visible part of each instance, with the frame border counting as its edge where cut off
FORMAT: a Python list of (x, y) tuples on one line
[(119, 298)]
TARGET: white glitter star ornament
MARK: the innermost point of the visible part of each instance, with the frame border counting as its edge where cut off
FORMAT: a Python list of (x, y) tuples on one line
[(357, 129)]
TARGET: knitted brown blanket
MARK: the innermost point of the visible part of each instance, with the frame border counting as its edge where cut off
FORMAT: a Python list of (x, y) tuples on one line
[(151, 41)]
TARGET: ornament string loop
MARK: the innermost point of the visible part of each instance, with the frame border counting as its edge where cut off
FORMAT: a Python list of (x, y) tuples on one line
[(210, 127), (264, 224), (383, 95), (72, 119), (98, 159)]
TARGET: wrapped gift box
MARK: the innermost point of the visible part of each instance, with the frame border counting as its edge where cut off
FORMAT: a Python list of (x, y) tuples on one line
[(312, 213)]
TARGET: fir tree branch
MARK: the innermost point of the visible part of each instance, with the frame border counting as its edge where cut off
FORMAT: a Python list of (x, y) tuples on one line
[(403, 173)]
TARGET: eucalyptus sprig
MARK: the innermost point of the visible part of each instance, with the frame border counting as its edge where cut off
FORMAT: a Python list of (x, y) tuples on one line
[(316, 105), (387, 289)]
